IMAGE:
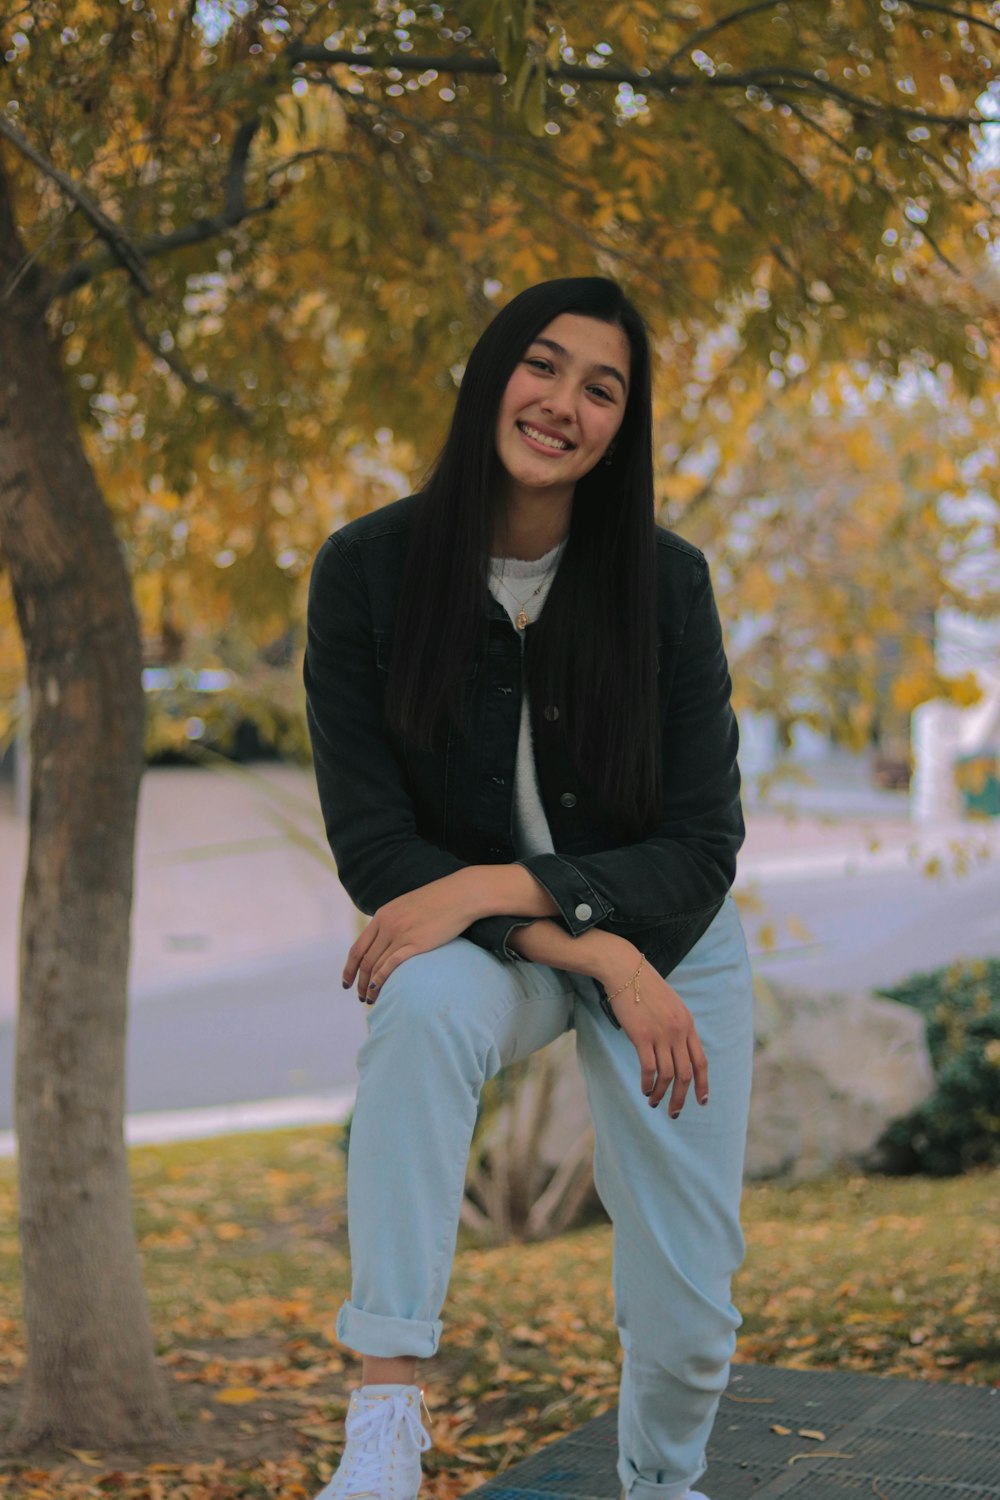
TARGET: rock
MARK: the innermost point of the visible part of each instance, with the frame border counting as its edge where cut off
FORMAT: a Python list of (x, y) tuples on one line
[(830, 1072)]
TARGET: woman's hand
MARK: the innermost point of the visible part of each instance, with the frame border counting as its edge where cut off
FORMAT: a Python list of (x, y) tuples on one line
[(415, 922), (660, 1027), (435, 913), (662, 1031)]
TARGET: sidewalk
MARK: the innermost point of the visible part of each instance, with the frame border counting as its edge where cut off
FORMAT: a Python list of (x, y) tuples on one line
[(232, 866)]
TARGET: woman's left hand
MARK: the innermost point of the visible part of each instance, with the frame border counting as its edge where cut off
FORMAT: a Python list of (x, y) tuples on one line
[(415, 922)]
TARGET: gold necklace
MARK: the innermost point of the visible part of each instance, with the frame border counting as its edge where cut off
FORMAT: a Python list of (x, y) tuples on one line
[(521, 618)]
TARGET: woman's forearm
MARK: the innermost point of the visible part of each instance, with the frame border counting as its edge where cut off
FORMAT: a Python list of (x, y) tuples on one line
[(507, 891), (602, 955)]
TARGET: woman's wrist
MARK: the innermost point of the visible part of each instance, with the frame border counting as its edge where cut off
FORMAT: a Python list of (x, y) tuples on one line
[(601, 955)]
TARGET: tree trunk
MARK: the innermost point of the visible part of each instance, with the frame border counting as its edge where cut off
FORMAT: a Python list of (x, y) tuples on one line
[(91, 1378)]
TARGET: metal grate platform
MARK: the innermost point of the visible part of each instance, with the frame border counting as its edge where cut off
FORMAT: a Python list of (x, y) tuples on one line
[(905, 1440)]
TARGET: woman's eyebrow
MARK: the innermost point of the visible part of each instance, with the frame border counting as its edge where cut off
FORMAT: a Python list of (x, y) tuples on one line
[(602, 369)]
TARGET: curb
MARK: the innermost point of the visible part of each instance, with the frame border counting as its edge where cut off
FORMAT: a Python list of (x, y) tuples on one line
[(156, 1128)]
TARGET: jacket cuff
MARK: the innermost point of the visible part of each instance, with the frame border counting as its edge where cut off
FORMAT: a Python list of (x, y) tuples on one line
[(579, 904), (492, 933)]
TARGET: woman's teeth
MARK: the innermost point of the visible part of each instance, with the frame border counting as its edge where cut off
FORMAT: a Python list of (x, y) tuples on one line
[(543, 438)]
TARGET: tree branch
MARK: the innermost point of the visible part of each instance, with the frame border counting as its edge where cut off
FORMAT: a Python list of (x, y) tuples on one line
[(773, 79), (122, 251), (235, 211), (187, 377), (958, 15), (183, 26), (697, 37)]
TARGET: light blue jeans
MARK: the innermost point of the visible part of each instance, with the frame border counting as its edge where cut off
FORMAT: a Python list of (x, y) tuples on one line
[(449, 1019)]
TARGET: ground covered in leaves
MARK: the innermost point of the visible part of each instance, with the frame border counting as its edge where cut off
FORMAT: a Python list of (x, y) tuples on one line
[(244, 1251)]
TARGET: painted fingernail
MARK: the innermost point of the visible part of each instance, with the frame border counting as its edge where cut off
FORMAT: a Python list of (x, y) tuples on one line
[(675, 1114), (373, 985), (703, 1101), (346, 983)]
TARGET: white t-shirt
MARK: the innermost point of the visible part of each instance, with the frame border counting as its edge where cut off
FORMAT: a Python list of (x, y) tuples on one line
[(531, 829)]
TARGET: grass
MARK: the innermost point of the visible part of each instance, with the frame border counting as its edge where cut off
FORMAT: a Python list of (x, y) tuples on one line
[(243, 1243)]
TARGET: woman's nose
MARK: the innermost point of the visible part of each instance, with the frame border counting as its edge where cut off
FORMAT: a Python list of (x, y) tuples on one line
[(558, 403)]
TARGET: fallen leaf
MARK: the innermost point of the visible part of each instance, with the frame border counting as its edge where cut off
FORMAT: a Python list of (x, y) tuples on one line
[(809, 1432), (777, 1427), (90, 1459), (238, 1395)]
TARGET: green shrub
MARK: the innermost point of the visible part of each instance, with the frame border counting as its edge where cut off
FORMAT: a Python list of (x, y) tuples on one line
[(958, 1126)]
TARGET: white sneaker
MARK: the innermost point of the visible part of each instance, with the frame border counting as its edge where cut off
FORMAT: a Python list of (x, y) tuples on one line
[(385, 1438), (687, 1495)]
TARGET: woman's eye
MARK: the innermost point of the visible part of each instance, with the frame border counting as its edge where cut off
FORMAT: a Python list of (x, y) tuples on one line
[(599, 390), (539, 364)]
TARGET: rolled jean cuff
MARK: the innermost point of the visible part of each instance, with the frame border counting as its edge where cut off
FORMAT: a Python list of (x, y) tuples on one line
[(387, 1338), (641, 1489)]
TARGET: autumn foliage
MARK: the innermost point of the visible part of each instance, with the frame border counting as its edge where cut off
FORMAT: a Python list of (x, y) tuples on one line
[(798, 194)]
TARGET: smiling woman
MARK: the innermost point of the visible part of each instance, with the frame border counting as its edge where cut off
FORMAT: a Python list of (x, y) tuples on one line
[(519, 706)]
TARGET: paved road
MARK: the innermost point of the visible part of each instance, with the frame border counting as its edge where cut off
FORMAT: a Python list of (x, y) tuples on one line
[(239, 932), (283, 1027), (876, 927)]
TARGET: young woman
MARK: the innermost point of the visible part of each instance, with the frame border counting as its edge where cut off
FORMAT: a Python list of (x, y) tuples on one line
[(526, 757)]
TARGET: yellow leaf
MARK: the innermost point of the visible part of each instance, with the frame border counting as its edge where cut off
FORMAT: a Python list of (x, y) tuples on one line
[(85, 1458), (238, 1395), (782, 1431), (634, 39), (493, 1439), (228, 1231), (724, 216), (766, 936), (820, 1437)]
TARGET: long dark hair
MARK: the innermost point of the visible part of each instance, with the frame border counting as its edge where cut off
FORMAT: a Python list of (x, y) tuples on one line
[(593, 647)]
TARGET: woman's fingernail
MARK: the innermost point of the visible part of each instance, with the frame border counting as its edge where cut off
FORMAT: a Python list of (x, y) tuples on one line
[(346, 983), (675, 1114), (703, 1101)]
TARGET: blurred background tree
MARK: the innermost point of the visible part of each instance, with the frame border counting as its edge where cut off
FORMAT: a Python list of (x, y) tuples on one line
[(244, 249)]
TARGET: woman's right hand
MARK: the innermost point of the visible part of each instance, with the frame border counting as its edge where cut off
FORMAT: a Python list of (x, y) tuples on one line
[(663, 1033), (660, 1027)]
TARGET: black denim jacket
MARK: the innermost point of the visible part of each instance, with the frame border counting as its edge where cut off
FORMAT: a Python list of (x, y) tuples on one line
[(398, 818)]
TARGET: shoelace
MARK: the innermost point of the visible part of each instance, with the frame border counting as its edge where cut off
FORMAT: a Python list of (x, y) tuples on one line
[(374, 1425)]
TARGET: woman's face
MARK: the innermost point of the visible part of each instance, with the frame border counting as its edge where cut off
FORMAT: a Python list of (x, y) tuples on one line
[(564, 402)]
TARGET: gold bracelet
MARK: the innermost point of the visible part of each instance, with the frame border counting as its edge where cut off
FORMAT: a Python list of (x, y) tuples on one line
[(634, 981)]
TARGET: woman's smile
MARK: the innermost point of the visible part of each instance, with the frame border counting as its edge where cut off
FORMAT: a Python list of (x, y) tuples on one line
[(543, 438)]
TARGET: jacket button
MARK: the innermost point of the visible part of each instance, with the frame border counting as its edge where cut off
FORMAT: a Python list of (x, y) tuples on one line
[(551, 713), (583, 912), (568, 799)]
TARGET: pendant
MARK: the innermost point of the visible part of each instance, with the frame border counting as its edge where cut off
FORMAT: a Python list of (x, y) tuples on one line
[(521, 620)]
